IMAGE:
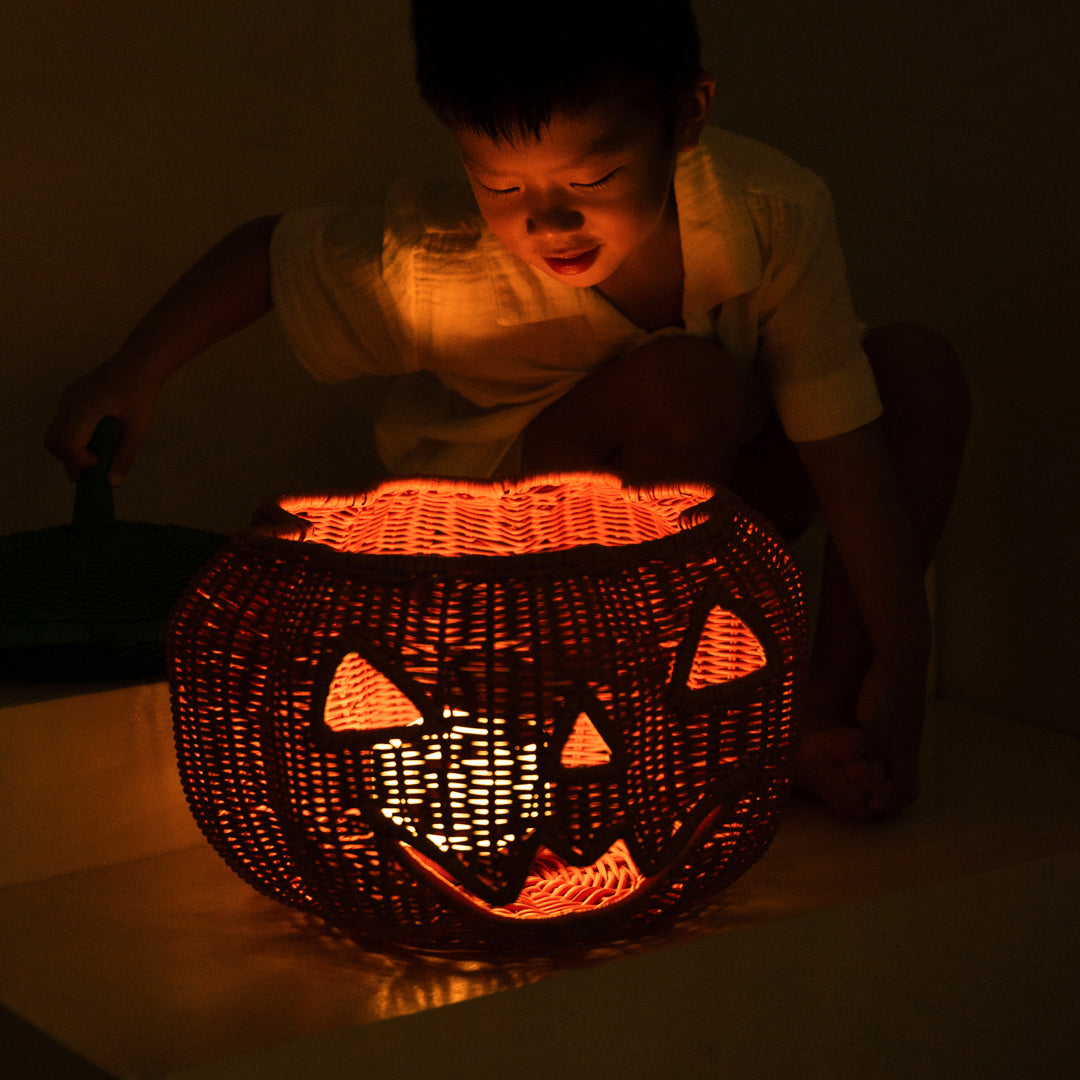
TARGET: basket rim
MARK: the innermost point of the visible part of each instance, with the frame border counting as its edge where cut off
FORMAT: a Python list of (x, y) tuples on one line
[(278, 531)]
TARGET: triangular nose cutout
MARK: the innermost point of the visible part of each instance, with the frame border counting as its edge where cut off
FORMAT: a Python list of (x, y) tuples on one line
[(585, 746)]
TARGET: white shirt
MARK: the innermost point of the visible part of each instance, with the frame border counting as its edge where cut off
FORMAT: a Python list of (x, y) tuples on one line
[(485, 342)]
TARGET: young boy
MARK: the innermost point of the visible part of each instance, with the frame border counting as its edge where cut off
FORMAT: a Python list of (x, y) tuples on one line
[(623, 289)]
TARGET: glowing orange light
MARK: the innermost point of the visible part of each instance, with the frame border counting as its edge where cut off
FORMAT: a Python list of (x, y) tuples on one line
[(463, 714)]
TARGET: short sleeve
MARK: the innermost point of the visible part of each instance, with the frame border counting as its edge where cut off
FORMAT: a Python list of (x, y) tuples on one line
[(342, 299), (810, 338)]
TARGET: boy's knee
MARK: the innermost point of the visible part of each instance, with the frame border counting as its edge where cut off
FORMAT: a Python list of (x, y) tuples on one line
[(919, 373), (669, 410), (689, 400), (686, 383)]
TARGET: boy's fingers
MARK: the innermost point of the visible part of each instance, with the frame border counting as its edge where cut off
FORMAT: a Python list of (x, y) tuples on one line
[(69, 442), (126, 450)]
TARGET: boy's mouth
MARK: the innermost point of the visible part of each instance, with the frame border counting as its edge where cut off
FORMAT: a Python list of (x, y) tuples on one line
[(575, 263)]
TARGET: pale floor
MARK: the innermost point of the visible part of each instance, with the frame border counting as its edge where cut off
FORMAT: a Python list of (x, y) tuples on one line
[(944, 944)]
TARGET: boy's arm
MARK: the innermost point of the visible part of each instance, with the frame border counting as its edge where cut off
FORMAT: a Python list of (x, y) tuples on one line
[(870, 527), (226, 290)]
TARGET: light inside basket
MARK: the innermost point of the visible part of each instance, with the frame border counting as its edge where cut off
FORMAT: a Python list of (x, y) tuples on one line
[(553, 887)]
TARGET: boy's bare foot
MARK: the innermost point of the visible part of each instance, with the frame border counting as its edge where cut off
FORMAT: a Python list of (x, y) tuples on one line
[(833, 765)]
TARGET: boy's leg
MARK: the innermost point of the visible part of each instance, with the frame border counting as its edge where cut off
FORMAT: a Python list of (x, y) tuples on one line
[(927, 413), (672, 409)]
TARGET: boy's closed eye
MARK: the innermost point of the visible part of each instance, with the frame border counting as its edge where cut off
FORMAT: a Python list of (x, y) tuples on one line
[(594, 185)]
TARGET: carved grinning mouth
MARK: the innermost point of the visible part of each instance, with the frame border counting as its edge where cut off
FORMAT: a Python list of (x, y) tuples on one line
[(553, 888), (489, 862), (471, 827)]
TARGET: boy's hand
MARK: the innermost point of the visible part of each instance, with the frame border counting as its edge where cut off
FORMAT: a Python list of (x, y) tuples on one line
[(890, 712), (870, 769), (120, 388), (866, 765)]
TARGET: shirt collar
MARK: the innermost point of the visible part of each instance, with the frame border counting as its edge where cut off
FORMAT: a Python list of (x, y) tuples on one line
[(721, 257)]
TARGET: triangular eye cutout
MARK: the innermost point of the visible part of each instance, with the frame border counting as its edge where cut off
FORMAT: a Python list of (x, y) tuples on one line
[(727, 650), (361, 698), (585, 746)]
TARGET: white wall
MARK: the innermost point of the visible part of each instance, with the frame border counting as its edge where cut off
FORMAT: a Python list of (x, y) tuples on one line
[(134, 134)]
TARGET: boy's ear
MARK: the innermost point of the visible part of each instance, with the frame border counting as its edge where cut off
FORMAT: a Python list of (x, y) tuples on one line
[(694, 111)]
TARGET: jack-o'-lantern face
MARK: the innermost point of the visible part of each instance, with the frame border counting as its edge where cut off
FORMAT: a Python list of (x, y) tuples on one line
[(383, 720), (533, 779)]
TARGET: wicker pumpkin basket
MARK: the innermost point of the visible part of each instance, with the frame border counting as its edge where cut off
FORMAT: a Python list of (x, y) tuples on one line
[(479, 715)]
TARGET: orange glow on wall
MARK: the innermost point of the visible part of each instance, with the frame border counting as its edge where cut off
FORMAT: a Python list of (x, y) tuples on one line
[(469, 715)]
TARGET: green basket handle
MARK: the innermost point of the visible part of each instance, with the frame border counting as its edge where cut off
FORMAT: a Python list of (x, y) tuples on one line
[(93, 493)]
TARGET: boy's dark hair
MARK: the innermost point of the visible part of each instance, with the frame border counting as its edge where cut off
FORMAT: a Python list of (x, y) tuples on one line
[(502, 70)]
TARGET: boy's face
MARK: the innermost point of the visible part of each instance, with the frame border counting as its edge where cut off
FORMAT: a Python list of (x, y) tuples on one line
[(586, 196)]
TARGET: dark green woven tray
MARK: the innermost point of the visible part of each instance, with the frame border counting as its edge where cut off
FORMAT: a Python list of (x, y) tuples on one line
[(90, 600)]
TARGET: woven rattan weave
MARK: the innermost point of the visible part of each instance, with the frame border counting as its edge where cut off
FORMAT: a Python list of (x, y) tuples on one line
[(461, 715)]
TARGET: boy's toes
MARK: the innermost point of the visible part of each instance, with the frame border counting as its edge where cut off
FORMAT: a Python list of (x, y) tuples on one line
[(832, 765)]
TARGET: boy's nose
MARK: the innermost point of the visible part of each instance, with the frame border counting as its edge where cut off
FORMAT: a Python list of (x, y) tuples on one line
[(553, 219)]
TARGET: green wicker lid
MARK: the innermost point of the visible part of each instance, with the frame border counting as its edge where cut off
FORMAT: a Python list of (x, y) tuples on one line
[(91, 599)]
